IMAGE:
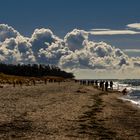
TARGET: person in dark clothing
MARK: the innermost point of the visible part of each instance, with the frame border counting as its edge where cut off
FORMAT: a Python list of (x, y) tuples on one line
[(20, 83), (101, 82), (45, 81), (92, 82), (102, 85), (111, 85), (88, 82), (124, 91), (106, 86), (34, 82), (96, 83)]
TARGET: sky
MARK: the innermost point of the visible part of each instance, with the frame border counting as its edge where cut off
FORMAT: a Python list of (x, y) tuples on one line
[(62, 16), (114, 22)]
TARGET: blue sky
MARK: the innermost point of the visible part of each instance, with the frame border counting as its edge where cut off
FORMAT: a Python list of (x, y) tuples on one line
[(64, 15)]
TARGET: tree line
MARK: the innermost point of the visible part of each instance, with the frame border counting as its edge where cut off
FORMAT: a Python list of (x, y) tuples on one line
[(34, 70)]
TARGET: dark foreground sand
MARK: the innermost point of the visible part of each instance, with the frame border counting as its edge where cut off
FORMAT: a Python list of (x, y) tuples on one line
[(66, 112)]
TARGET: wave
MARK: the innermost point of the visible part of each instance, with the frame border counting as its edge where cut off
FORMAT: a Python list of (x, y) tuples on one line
[(133, 91), (136, 102)]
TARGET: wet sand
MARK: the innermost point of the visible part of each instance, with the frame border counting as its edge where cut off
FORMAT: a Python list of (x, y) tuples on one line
[(67, 111)]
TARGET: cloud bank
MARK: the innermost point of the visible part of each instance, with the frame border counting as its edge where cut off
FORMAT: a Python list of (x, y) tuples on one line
[(75, 52), (134, 25), (128, 31), (113, 32)]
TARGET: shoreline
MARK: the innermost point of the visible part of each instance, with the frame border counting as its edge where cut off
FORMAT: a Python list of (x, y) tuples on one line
[(134, 103), (122, 117), (66, 111)]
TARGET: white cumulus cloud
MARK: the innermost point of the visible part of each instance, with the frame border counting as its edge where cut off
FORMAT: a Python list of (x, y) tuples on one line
[(134, 25), (74, 52), (7, 32), (75, 39)]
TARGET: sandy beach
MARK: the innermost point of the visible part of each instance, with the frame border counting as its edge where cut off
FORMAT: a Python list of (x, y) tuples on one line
[(68, 111)]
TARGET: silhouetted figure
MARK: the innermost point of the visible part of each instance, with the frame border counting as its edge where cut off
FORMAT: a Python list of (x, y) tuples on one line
[(111, 85), (88, 82), (20, 83), (124, 91), (102, 85), (84, 82), (96, 83), (16, 82), (34, 82), (106, 86), (45, 81), (92, 82)]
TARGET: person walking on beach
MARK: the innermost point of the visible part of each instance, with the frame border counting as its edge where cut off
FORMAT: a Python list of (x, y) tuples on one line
[(34, 82), (102, 85), (106, 86), (20, 83), (96, 84), (111, 85)]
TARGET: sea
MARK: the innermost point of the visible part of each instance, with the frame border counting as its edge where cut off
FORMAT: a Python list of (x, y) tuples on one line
[(133, 88)]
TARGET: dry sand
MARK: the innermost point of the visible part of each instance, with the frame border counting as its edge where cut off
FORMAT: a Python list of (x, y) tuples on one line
[(66, 112)]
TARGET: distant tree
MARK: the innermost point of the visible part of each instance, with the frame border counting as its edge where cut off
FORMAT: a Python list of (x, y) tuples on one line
[(34, 70)]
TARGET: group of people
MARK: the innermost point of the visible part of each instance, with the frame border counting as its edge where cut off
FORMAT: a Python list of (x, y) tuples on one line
[(104, 85)]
